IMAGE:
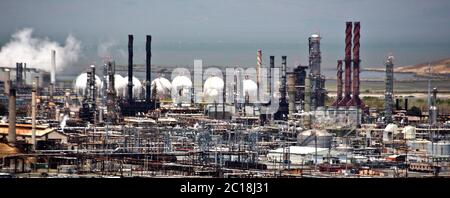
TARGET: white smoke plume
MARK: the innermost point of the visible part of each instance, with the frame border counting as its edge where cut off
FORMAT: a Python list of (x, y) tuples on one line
[(36, 52), (105, 49)]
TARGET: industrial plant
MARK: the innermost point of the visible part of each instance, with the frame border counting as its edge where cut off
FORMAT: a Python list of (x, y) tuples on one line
[(272, 120)]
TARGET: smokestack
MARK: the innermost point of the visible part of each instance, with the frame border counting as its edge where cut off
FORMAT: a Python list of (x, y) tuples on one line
[(24, 73), (339, 84), (19, 74), (130, 68), (93, 85), (148, 62), (53, 74), (12, 113), (356, 101), (291, 93), (272, 66), (258, 71), (33, 112), (406, 104), (388, 95), (397, 104), (348, 67), (283, 88)]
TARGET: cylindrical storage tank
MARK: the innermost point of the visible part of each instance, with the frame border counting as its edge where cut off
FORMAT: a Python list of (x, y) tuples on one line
[(419, 145), (212, 89), (442, 148), (307, 138), (389, 132), (181, 89), (409, 132), (163, 88)]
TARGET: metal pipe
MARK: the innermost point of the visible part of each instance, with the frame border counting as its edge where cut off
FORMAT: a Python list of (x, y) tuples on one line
[(130, 68)]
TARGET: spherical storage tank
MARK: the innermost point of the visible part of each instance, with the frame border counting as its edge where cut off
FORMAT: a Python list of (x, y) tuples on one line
[(307, 138), (250, 90), (212, 89), (163, 87), (181, 89), (137, 87), (120, 84), (80, 84)]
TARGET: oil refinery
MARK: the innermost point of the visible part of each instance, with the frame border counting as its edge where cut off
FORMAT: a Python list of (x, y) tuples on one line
[(272, 120)]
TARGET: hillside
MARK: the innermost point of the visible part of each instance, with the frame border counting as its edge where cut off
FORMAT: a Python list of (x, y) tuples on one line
[(440, 67)]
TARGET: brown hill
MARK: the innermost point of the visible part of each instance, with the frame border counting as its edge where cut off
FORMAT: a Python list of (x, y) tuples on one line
[(439, 67)]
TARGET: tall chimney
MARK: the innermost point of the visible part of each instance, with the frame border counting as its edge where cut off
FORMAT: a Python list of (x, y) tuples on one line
[(148, 62), (291, 93), (130, 68), (272, 66), (12, 113), (33, 112), (348, 66), (24, 73), (356, 101), (389, 92), (339, 84), (258, 71), (283, 88), (53, 74)]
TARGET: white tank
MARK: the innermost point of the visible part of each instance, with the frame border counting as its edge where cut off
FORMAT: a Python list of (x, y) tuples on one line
[(442, 148), (181, 89), (137, 87), (212, 89), (409, 132), (250, 89), (307, 138), (389, 132), (80, 84), (120, 84), (163, 87)]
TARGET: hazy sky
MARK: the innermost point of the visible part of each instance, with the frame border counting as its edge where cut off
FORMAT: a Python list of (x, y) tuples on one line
[(228, 32)]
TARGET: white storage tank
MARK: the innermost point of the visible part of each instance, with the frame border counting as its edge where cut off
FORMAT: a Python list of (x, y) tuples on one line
[(163, 87), (137, 87), (409, 132), (389, 132), (212, 89), (80, 84), (307, 138), (419, 145), (181, 89), (250, 90), (442, 148)]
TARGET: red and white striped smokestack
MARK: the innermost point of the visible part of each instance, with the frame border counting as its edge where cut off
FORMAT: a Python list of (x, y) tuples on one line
[(356, 101), (348, 66), (339, 84), (258, 71)]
